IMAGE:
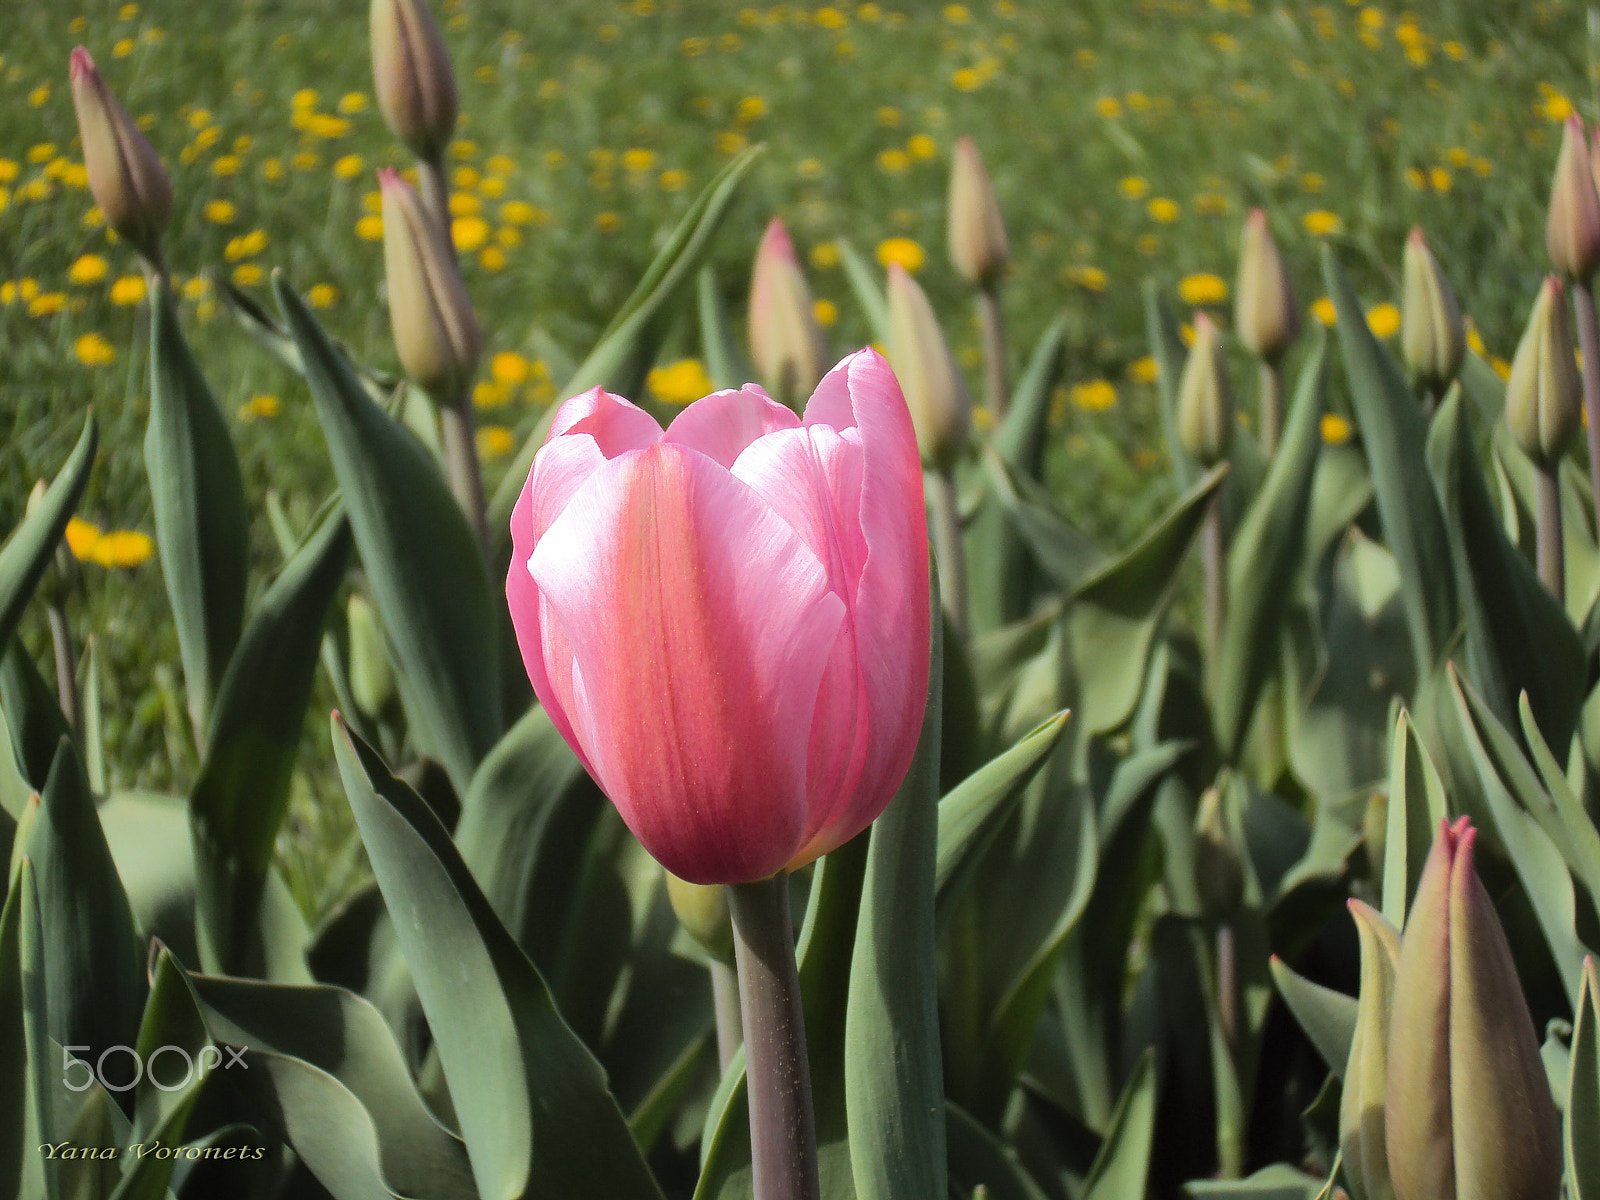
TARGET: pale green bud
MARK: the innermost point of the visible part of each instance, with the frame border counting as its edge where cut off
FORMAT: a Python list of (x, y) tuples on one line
[(126, 178), (1433, 339), (702, 910), (1572, 228), (1205, 400), (1544, 395), (941, 407), (372, 684), (1264, 306), (787, 346), (412, 76), (976, 230)]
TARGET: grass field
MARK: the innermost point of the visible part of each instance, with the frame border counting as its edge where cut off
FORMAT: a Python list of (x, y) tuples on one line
[(1126, 141)]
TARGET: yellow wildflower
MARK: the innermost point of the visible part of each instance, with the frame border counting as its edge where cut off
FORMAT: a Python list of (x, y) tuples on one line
[(92, 350), (88, 268), (681, 382), (1202, 288), (902, 250)]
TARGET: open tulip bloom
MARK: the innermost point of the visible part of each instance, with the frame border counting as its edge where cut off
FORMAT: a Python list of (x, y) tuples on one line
[(728, 619)]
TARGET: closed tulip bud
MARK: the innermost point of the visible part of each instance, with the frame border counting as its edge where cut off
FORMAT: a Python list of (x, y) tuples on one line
[(435, 332), (702, 910), (1468, 1111), (729, 620), (941, 409), (1361, 1124), (787, 346), (1205, 401), (1218, 873), (976, 229), (1572, 229), (126, 178), (372, 684), (1544, 396), (1433, 340), (412, 76), (1264, 307)]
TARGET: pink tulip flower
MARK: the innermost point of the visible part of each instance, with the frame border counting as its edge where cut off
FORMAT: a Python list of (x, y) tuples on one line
[(728, 620)]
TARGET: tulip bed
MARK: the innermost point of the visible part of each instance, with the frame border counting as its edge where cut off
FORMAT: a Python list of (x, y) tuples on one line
[(685, 825)]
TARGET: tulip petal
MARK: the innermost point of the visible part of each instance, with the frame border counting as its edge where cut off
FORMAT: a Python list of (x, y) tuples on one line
[(722, 424), (615, 424), (893, 619), (690, 609)]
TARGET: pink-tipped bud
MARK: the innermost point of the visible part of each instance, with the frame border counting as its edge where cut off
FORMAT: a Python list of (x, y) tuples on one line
[(435, 331), (1572, 230), (1205, 399), (1433, 338), (941, 407), (126, 178), (412, 76), (1544, 396), (787, 346), (1264, 306), (977, 231)]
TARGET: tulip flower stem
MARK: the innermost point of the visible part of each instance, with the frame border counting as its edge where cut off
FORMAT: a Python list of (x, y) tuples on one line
[(1589, 347), (994, 350), (66, 667), (460, 444), (435, 194), (1271, 406), (1547, 533), (951, 553), (783, 1135), (725, 1002)]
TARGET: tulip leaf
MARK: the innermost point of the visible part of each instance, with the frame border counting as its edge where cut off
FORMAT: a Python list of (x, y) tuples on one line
[(893, 1071), (1417, 806), (93, 969), (1582, 1105), (532, 1102), (1166, 347), (1122, 1167), (148, 835), (978, 1158), (1328, 1017), (333, 1075), (628, 346), (1564, 819), (1513, 792), (1279, 1181), (1394, 434), (1340, 493), (33, 715), (197, 494), (1019, 438), (423, 564), (1110, 620), (21, 1169), (725, 361), (1263, 560), (1518, 637), (863, 281), (239, 800), (970, 814), (1064, 553), (27, 552)]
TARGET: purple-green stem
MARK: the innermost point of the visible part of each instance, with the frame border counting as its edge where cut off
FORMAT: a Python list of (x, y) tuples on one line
[(434, 192), (1213, 558), (1547, 532), (947, 545), (66, 668), (459, 441), (992, 329), (1271, 406), (1589, 346), (783, 1132), (725, 1003)]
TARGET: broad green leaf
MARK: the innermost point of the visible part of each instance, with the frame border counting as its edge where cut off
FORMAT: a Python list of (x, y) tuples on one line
[(49, 1103), (725, 360), (1280, 1181), (148, 834), (1123, 1165), (423, 564), (1340, 493), (202, 524), (1394, 433), (1518, 637), (94, 977), (1564, 819), (1064, 553), (1328, 1017), (978, 1158), (1582, 1105), (864, 285), (531, 1101), (893, 1071), (1109, 622), (625, 351), (21, 1172), (32, 714), (1263, 560), (337, 1079), (27, 551), (239, 800), (971, 813), (1417, 805), (1019, 438)]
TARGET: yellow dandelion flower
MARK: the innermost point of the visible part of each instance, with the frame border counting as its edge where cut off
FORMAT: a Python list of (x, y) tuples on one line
[(492, 187), (1383, 320), (809, 168), (81, 537), (322, 295), (468, 233), (1311, 182), (348, 166), (327, 126), (47, 304), (219, 212), (492, 259), (903, 250), (463, 149), (637, 160), (370, 228), (1091, 279), (87, 269), (956, 14), (122, 548), (893, 161), (673, 179), (1163, 210), (261, 406), (966, 79), (1211, 204), (248, 273), (1133, 187), (824, 256), (225, 165), (1440, 179), (92, 350), (681, 382), (1143, 370), (500, 164), (122, 47), (496, 441), (128, 290), (751, 108), (9, 169), (1320, 222), (1336, 430), (353, 102), (303, 99), (1475, 340), (510, 368), (1416, 178), (1501, 368), (1323, 310), (40, 96), (888, 116), (273, 170), (1202, 288), (465, 204), (1095, 395), (488, 394), (464, 177), (922, 147), (608, 221), (306, 160), (825, 311), (730, 142), (1555, 107)]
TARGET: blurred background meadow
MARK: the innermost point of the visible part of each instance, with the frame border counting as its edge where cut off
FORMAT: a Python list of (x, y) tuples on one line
[(1126, 140)]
